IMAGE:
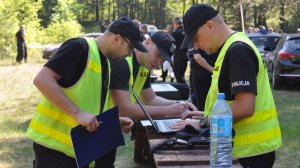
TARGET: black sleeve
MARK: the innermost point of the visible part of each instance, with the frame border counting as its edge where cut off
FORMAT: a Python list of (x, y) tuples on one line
[(120, 75), (243, 68), (147, 83), (70, 61)]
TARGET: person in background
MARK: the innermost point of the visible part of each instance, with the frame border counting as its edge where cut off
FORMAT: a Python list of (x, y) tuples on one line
[(240, 74), (180, 58), (21, 45), (270, 30), (138, 24), (263, 30), (166, 66), (144, 30), (250, 30), (169, 28), (74, 85), (201, 69)]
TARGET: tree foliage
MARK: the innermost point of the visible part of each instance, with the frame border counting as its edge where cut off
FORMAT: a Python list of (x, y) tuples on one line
[(52, 21)]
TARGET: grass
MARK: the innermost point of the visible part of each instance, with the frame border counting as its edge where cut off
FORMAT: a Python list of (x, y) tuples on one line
[(288, 107), (18, 99)]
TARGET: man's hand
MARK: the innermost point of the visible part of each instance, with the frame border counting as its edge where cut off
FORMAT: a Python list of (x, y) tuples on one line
[(191, 106), (182, 123), (126, 124), (89, 121), (177, 109), (192, 114)]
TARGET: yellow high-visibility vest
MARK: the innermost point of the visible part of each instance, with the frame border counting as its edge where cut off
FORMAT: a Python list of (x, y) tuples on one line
[(50, 126), (259, 133), (137, 85)]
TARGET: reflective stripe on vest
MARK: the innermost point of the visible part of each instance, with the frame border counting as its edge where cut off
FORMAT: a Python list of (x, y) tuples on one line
[(259, 133), (50, 126)]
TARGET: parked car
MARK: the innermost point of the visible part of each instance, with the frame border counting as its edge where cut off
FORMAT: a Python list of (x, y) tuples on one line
[(287, 61), (51, 49), (152, 29), (266, 44)]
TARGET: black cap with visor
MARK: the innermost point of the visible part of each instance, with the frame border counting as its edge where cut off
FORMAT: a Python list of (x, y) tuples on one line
[(127, 29), (165, 44), (194, 18)]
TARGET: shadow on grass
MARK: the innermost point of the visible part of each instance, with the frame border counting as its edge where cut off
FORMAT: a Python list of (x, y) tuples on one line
[(12, 127)]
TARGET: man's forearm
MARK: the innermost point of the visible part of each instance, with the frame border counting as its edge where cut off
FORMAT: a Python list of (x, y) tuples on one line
[(49, 87)]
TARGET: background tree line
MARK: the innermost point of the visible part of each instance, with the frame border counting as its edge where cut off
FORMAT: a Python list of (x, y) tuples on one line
[(53, 21)]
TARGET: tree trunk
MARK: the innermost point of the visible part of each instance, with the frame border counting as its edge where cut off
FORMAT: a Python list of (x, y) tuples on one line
[(282, 19), (221, 8), (97, 10), (183, 7), (255, 15), (109, 7)]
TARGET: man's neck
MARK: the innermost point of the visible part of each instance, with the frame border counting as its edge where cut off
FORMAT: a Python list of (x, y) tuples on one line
[(139, 57), (101, 44), (225, 33)]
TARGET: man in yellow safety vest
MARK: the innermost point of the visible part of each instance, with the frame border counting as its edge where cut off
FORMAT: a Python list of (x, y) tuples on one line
[(240, 73), (74, 86)]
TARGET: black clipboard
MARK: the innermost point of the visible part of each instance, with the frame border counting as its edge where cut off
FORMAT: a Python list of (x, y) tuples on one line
[(88, 146)]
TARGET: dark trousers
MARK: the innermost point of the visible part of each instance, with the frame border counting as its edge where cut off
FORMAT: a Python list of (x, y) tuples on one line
[(180, 65), (164, 74), (48, 158), (22, 52), (260, 161), (200, 80)]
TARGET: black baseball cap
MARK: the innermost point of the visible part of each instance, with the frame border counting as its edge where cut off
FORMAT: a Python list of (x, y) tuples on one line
[(126, 28), (194, 18), (165, 44)]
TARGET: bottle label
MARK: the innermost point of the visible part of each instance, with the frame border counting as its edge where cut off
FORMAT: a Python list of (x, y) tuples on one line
[(221, 126)]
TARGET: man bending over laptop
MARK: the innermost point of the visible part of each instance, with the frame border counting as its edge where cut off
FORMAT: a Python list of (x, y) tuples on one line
[(135, 71)]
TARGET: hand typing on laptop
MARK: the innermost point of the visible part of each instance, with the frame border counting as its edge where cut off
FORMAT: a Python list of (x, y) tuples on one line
[(192, 115), (182, 123), (177, 109), (188, 118)]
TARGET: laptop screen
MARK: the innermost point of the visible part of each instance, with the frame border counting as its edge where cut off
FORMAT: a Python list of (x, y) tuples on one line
[(143, 108)]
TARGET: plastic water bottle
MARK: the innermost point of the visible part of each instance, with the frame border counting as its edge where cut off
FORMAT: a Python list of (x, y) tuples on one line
[(221, 134)]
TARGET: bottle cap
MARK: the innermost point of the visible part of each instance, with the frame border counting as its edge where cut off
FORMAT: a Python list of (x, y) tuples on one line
[(221, 96)]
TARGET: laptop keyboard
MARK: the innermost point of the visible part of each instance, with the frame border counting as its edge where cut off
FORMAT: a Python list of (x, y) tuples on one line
[(164, 125)]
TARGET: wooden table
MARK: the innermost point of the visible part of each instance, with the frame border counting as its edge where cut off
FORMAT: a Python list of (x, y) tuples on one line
[(177, 156)]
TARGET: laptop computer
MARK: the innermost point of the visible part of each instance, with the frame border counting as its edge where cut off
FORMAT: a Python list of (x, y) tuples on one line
[(161, 126)]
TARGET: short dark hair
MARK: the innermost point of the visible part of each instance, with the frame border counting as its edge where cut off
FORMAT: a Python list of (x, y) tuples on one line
[(178, 20)]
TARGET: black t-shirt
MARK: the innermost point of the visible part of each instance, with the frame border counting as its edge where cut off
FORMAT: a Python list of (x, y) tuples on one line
[(178, 34), (239, 71), (120, 74), (70, 62), (20, 37)]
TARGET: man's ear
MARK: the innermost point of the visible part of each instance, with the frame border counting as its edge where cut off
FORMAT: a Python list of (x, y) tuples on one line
[(116, 37), (211, 25)]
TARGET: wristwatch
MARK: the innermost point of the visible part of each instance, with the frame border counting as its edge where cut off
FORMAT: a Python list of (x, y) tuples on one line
[(203, 122)]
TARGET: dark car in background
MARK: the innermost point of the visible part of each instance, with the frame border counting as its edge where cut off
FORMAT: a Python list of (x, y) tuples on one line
[(266, 43), (51, 49), (287, 61)]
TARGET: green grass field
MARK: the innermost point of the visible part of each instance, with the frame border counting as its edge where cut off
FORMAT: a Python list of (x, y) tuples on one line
[(18, 99)]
